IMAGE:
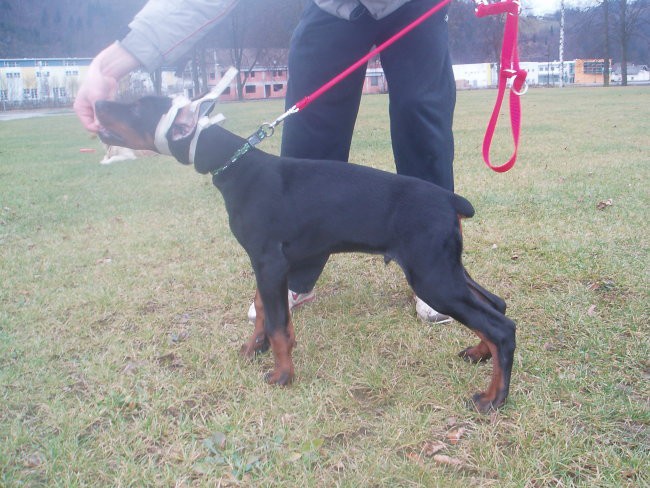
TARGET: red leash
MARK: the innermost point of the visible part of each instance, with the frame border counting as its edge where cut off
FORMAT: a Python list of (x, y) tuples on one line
[(509, 69), (310, 98)]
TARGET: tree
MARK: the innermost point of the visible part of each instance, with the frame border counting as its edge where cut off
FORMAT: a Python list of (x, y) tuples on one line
[(632, 18), (251, 30), (607, 56), (617, 29)]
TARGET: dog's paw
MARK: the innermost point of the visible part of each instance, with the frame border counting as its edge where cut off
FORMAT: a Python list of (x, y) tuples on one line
[(475, 355), (279, 377), (256, 345), (483, 404)]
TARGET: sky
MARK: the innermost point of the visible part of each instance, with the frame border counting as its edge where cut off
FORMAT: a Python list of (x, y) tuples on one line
[(540, 7)]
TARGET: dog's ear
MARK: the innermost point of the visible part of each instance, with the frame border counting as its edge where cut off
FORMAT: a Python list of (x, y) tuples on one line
[(186, 120), (179, 131)]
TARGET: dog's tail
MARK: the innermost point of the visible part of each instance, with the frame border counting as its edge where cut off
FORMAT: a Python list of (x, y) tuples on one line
[(462, 206)]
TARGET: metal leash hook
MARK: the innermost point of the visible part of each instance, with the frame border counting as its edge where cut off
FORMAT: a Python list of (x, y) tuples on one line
[(281, 118), (522, 92), (265, 130)]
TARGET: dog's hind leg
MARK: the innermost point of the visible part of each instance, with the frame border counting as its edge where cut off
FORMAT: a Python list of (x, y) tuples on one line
[(484, 295), (481, 352), (497, 333), (271, 273)]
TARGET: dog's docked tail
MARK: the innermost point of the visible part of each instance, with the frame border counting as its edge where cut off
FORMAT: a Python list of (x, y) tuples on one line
[(462, 206)]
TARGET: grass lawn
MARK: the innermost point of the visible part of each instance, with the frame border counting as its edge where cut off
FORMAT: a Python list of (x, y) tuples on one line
[(123, 301)]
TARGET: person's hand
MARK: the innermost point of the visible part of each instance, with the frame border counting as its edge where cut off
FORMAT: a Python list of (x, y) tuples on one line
[(101, 82)]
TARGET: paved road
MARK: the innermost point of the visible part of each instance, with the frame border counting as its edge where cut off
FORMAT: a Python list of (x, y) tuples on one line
[(28, 114)]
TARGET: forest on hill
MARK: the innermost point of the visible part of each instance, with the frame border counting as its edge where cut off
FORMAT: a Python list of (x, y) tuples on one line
[(69, 28)]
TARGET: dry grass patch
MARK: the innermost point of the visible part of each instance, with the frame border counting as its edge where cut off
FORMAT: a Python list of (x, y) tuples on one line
[(123, 301)]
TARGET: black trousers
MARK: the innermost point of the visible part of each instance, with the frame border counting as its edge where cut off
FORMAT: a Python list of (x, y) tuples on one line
[(422, 94)]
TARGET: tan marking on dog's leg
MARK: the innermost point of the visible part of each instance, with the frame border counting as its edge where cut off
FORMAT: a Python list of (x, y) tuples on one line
[(491, 398), (282, 344), (477, 354), (258, 342)]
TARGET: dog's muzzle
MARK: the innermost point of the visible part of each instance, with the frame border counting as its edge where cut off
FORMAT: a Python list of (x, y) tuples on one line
[(200, 107)]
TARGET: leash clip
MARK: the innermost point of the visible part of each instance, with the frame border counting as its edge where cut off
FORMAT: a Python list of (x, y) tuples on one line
[(522, 92), (281, 118), (265, 130)]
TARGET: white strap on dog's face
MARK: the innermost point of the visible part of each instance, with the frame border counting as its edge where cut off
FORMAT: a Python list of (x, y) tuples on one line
[(160, 140), (202, 124), (218, 89)]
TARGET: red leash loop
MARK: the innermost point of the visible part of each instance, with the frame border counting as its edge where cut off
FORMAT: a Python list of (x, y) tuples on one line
[(509, 68)]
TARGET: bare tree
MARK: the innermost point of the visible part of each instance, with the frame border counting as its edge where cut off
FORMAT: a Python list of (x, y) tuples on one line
[(250, 32), (607, 56), (624, 32), (632, 18)]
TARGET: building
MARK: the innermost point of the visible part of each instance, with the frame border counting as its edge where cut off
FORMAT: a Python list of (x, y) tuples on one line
[(38, 82), (635, 74), (589, 71), (548, 73), (480, 75), (43, 82)]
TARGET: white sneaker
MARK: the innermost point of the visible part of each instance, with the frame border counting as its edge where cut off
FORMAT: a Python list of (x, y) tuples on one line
[(428, 314), (295, 300)]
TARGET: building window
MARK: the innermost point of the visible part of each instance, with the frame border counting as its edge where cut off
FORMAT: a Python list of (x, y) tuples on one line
[(59, 92), (213, 76), (226, 91), (30, 93), (278, 87), (72, 73), (374, 81), (594, 67), (250, 88), (252, 74), (4, 94), (13, 75)]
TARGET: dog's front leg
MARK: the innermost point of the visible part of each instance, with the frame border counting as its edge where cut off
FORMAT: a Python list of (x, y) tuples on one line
[(258, 343), (277, 325)]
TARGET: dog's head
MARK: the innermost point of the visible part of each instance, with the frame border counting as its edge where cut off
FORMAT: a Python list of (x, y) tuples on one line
[(160, 124)]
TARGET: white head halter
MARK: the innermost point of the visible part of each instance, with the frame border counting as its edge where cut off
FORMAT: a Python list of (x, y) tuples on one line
[(160, 138)]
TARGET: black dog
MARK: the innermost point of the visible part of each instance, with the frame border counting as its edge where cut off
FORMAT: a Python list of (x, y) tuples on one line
[(343, 208)]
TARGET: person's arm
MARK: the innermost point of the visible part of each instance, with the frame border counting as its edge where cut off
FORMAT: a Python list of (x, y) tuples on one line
[(162, 32)]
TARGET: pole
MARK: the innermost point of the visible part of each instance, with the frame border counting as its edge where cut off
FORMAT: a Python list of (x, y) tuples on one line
[(562, 44)]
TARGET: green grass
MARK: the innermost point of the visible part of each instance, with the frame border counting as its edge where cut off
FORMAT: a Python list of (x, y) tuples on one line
[(123, 303)]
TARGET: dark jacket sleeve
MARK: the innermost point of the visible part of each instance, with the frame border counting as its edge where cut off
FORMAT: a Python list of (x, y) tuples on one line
[(164, 30)]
